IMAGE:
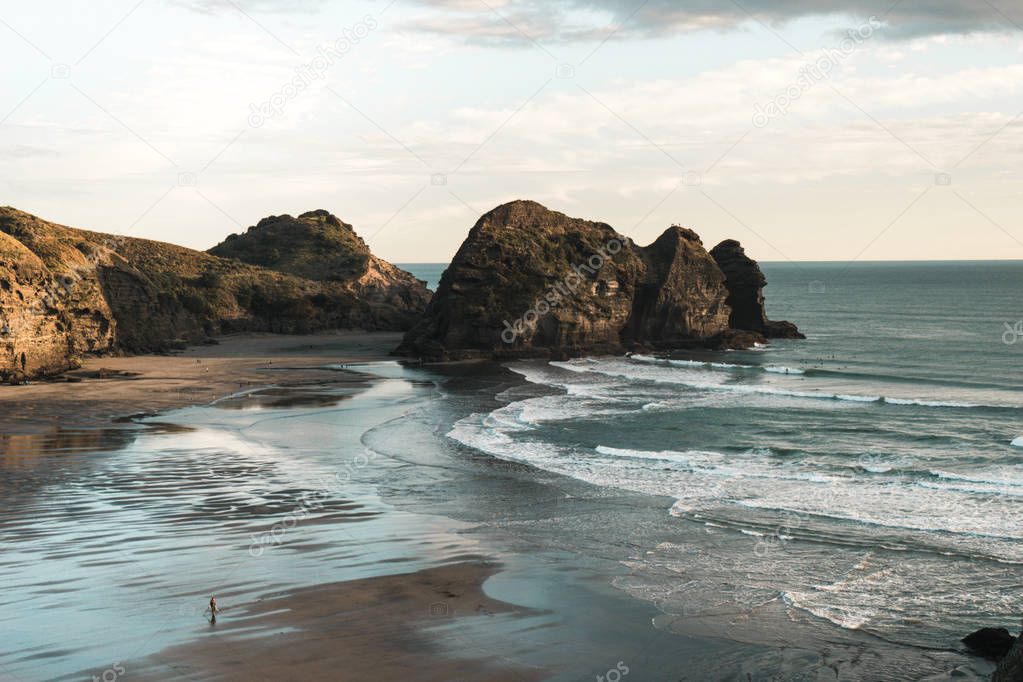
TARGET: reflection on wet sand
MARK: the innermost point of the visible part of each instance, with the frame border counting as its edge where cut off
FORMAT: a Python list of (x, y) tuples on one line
[(117, 537), (28, 461), (278, 398)]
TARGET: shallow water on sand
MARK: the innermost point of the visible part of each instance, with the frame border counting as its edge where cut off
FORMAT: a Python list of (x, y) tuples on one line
[(113, 541)]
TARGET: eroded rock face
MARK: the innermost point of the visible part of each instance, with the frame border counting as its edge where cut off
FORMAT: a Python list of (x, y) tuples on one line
[(531, 281), (47, 317), (318, 246), (65, 293), (528, 278), (682, 293), (745, 282)]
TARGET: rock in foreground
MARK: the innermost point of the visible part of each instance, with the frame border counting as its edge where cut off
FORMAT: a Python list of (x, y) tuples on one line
[(529, 281), (992, 643), (1011, 667)]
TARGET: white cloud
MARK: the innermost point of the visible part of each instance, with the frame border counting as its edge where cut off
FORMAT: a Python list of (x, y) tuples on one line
[(519, 21)]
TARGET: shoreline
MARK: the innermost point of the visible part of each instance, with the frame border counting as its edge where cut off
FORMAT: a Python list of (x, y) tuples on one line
[(371, 628), (109, 390), (523, 584)]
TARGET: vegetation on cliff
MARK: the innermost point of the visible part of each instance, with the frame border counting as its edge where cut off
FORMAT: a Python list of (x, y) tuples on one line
[(318, 246)]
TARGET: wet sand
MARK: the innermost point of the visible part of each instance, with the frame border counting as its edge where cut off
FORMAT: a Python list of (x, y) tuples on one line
[(110, 388), (357, 630)]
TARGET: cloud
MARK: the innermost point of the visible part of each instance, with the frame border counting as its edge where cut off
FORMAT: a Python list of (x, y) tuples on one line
[(521, 21), (24, 151), (282, 6)]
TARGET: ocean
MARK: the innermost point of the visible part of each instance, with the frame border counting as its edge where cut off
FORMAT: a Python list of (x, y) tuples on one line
[(868, 479), (844, 507)]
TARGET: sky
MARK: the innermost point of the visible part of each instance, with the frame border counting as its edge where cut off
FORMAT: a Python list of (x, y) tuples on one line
[(806, 129)]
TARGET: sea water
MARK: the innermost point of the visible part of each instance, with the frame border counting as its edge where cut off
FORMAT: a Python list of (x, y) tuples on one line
[(869, 478)]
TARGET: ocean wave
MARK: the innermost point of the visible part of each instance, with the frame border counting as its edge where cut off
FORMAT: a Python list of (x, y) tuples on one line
[(931, 403), (1004, 476), (633, 372), (1017, 442), (859, 398), (750, 464), (839, 616), (971, 520), (978, 505), (649, 359), (779, 369)]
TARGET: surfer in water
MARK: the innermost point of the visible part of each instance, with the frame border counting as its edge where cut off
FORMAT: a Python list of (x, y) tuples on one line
[(213, 609)]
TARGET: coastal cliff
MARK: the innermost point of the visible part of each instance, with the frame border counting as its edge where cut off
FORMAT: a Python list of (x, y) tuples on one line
[(65, 293), (528, 281)]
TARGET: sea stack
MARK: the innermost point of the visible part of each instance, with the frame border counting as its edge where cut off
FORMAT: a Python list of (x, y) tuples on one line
[(746, 282), (529, 281)]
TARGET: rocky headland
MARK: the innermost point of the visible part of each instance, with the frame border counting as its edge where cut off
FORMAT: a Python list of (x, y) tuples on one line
[(529, 281), (66, 293), (320, 247)]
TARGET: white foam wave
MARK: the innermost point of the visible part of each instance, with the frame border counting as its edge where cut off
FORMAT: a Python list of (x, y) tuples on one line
[(648, 359), (662, 372), (928, 403), (1017, 442), (1001, 476), (778, 369), (839, 616)]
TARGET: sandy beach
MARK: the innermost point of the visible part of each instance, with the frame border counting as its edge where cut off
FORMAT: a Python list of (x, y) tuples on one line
[(348, 535), (358, 630), (110, 388), (362, 628)]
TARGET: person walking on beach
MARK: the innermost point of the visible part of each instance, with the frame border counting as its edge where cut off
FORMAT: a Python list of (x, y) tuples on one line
[(213, 609)]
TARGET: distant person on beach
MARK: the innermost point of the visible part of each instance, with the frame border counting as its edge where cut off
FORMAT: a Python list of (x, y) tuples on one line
[(213, 609)]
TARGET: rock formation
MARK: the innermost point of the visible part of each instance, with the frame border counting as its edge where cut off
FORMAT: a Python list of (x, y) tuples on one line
[(530, 281), (319, 246), (992, 643), (65, 293), (1011, 667), (746, 282), (681, 295)]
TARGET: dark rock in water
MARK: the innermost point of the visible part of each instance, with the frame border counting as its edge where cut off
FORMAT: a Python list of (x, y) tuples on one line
[(529, 281), (681, 295), (746, 282), (993, 643), (1011, 667)]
